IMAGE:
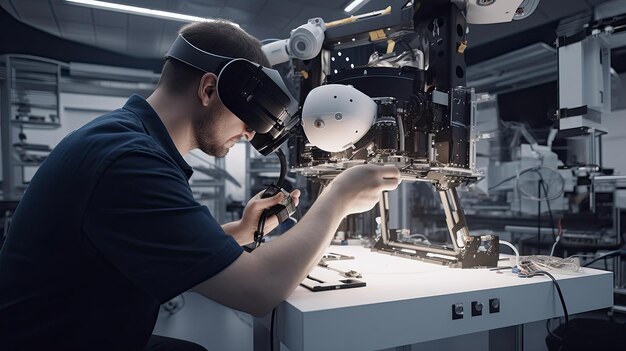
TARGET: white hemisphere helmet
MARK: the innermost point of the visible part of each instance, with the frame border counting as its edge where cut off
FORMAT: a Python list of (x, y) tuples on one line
[(335, 116)]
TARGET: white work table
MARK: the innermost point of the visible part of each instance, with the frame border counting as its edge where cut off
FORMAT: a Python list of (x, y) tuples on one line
[(408, 301)]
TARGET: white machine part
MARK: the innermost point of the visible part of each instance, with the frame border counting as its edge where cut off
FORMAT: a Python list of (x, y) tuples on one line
[(304, 43), (335, 116), (497, 11), (585, 69), (584, 80)]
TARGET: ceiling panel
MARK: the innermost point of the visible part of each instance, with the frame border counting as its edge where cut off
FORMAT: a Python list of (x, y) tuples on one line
[(262, 32), (32, 8), (145, 23), (247, 5), (72, 13), (112, 38), (272, 21), (242, 17), (110, 18), (8, 7), (198, 9), (283, 8), (48, 25), (72, 28), (139, 47), (78, 30)]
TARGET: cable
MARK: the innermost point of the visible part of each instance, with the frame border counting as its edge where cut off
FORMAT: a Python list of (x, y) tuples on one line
[(558, 289), (550, 330), (545, 191), (538, 220), (514, 250), (408, 46), (272, 329), (528, 195), (554, 245), (558, 236), (400, 125), (283, 167), (556, 285), (258, 234), (606, 255), (502, 182)]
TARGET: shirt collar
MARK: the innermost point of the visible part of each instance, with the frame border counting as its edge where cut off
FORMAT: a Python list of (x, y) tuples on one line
[(155, 128)]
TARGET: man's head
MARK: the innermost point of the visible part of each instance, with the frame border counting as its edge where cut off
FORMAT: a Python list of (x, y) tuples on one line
[(215, 128)]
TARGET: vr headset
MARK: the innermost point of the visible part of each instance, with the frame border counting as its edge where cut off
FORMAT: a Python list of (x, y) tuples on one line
[(255, 94)]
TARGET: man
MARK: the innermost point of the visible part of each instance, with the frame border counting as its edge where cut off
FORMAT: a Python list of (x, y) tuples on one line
[(108, 228)]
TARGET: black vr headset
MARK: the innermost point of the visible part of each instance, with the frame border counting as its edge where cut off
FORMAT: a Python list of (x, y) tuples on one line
[(255, 94)]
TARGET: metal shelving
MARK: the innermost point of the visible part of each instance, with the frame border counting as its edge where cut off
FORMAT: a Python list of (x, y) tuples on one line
[(30, 100)]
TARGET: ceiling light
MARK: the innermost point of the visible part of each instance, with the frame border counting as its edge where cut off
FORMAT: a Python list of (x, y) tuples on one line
[(355, 5), (137, 10)]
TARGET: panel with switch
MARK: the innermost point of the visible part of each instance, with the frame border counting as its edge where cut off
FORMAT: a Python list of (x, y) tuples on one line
[(477, 308), (494, 305), (457, 311)]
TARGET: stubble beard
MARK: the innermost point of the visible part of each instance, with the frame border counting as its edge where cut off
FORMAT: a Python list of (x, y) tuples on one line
[(206, 136)]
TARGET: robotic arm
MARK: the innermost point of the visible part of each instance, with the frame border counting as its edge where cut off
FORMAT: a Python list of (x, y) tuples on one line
[(304, 43)]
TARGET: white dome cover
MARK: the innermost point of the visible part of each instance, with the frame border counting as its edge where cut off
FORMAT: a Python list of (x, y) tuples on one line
[(335, 116)]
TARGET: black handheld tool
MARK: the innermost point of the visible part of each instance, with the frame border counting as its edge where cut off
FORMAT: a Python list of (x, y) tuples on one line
[(283, 210)]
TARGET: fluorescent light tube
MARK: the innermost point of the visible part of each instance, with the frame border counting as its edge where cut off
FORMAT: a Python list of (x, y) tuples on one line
[(352, 6), (137, 10)]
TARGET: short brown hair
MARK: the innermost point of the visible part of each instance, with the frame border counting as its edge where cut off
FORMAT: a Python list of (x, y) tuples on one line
[(216, 36)]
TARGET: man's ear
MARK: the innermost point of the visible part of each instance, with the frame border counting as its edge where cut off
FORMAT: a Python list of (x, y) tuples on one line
[(207, 88)]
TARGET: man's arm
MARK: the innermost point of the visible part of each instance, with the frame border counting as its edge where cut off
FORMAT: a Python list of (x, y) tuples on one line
[(256, 282)]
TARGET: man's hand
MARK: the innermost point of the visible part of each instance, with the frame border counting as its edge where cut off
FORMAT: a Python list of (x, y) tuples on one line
[(243, 230), (358, 189)]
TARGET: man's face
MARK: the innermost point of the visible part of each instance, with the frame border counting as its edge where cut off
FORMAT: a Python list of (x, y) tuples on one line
[(219, 130)]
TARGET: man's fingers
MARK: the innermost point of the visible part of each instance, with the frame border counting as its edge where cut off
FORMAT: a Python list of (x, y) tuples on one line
[(295, 193), (389, 183), (269, 202), (390, 171)]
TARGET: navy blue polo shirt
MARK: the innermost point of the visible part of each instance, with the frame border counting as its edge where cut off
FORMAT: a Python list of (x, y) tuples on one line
[(107, 231)]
